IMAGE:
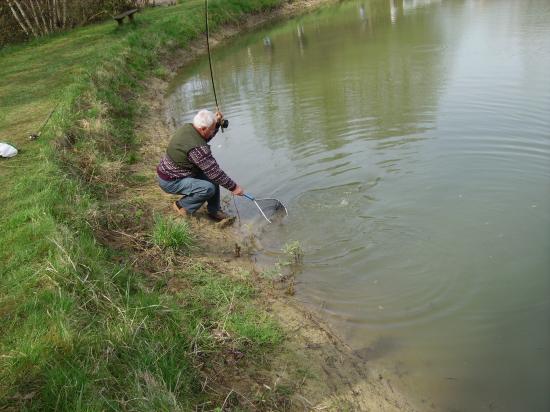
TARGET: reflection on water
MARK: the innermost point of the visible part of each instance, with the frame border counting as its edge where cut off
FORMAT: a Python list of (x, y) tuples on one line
[(410, 141)]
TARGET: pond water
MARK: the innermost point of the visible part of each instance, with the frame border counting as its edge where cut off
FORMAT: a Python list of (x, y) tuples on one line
[(410, 141)]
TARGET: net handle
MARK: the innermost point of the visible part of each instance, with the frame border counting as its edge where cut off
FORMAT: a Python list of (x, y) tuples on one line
[(261, 211)]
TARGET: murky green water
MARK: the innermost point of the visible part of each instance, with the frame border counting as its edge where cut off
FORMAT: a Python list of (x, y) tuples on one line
[(411, 143)]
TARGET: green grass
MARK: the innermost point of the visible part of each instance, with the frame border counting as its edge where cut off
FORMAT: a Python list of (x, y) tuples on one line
[(172, 234), (81, 329)]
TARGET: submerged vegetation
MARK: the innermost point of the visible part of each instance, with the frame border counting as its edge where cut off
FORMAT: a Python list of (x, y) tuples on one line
[(286, 268), (294, 253), (83, 328)]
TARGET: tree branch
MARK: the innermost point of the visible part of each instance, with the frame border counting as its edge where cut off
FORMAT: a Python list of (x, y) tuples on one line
[(55, 18), (10, 4), (39, 28), (64, 13), (58, 11), (41, 12), (25, 18), (50, 18)]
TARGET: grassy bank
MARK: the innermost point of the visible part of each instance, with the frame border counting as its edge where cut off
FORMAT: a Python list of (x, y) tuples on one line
[(83, 328)]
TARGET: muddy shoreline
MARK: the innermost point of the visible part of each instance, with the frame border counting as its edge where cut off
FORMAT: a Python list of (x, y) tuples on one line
[(338, 379)]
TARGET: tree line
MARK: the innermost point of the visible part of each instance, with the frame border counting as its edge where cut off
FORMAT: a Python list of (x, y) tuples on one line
[(28, 19)]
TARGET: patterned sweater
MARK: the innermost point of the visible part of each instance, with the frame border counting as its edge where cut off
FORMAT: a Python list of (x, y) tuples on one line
[(202, 157)]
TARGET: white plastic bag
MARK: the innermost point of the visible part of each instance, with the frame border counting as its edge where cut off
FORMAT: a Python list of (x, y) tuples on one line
[(7, 150)]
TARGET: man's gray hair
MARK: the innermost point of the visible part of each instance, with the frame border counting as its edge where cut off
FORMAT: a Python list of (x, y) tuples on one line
[(204, 118)]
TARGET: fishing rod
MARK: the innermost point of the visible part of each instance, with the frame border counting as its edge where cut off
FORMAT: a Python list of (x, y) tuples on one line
[(269, 206), (34, 136), (224, 122)]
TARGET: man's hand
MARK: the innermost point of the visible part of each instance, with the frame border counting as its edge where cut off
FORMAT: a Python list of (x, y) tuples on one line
[(219, 117), (239, 191)]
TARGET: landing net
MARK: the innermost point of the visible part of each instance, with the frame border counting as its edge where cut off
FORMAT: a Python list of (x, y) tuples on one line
[(271, 209)]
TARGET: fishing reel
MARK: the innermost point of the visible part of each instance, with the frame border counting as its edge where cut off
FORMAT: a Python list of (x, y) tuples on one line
[(224, 124)]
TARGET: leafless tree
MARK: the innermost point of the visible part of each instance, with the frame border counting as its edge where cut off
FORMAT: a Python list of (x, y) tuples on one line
[(36, 23), (10, 4), (21, 19)]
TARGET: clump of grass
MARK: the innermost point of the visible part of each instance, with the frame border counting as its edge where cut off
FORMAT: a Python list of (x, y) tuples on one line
[(173, 234), (254, 327), (273, 272), (293, 252), (287, 264), (161, 72)]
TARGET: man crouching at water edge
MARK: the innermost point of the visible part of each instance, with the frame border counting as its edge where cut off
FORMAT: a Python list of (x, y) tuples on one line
[(189, 169)]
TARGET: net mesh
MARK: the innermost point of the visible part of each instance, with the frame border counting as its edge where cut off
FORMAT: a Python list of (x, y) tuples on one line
[(271, 208)]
